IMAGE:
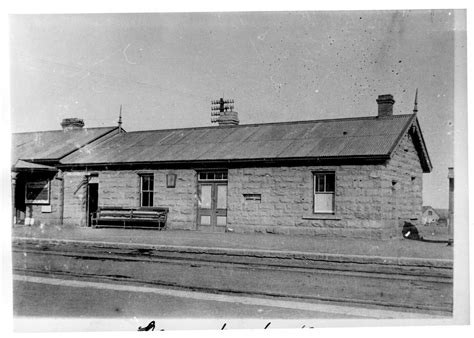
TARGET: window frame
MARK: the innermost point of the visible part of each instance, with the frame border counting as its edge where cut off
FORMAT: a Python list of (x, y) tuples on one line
[(212, 176), (325, 191), (47, 185), (149, 191)]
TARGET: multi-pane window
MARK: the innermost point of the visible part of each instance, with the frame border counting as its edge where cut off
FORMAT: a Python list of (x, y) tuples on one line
[(146, 190), (213, 176), (324, 183), (37, 192)]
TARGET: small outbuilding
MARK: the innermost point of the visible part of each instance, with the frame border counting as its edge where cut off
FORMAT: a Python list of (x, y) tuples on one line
[(429, 215)]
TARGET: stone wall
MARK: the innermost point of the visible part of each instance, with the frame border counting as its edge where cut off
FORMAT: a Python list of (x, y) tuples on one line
[(122, 188), (286, 204), (403, 185), (119, 188), (74, 199), (181, 200)]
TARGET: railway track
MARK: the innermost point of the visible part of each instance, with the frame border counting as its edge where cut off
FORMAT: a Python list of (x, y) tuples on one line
[(415, 286)]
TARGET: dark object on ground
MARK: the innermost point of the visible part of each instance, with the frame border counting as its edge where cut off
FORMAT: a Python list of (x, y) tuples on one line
[(410, 231), (149, 327), (434, 240)]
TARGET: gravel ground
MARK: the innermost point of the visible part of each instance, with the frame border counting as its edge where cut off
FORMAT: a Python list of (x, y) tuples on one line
[(397, 247)]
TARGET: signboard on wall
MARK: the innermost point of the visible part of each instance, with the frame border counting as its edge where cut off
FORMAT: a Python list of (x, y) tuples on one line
[(37, 192)]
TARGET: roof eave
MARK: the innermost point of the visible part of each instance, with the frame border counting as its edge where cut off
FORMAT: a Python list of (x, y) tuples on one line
[(426, 161), (413, 126), (14, 169), (295, 160), (35, 168)]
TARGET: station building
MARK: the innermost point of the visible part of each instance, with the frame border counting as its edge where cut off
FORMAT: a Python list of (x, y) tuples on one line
[(356, 177)]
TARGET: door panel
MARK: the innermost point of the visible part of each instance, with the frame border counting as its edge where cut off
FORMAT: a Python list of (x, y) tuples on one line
[(205, 205), (221, 220), (205, 220), (221, 196), (221, 205), (206, 196)]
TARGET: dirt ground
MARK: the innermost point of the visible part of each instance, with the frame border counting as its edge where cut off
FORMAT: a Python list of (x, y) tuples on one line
[(435, 248), (434, 231)]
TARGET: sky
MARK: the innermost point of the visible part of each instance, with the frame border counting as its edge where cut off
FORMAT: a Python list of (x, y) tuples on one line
[(164, 69)]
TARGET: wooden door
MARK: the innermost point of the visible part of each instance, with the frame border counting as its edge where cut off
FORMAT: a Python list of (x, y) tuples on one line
[(212, 206)]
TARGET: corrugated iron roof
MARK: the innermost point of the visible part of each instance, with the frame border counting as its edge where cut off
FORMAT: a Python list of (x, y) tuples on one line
[(349, 137), (53, 145), (23, 165)]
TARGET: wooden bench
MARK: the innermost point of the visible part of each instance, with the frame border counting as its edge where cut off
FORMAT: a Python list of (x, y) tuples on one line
[(122, 217)]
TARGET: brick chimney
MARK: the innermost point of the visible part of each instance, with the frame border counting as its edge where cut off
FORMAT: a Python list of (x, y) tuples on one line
[(72, 123), (385, 103), (228, 118)]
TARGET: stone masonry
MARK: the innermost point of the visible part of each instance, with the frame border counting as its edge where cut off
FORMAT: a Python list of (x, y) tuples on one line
[(402, 186), (287, 201), (122, 188), (74, 199), (370, 200)]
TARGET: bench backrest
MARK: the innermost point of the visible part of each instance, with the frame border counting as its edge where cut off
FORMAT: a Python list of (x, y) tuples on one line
[(155, 213), (111, 213), (113, 208)]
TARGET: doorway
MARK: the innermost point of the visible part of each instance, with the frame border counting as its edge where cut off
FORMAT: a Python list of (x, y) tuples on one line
[(92, 201), (212, 201), (20, 206)]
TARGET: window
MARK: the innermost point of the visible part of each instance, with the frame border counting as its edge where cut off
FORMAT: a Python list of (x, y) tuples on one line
[(324, 183), (430, 212), (146, 190), (213, 176), (37, 192)]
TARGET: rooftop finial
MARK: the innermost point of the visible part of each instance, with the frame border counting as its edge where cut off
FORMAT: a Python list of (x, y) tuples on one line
[(120, 120), (415, 109)]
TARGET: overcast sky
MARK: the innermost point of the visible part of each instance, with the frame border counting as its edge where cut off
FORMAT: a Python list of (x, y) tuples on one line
[(282, 66)]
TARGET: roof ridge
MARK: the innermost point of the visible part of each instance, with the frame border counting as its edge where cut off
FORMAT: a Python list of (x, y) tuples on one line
[(61, 130), (373, 117)]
